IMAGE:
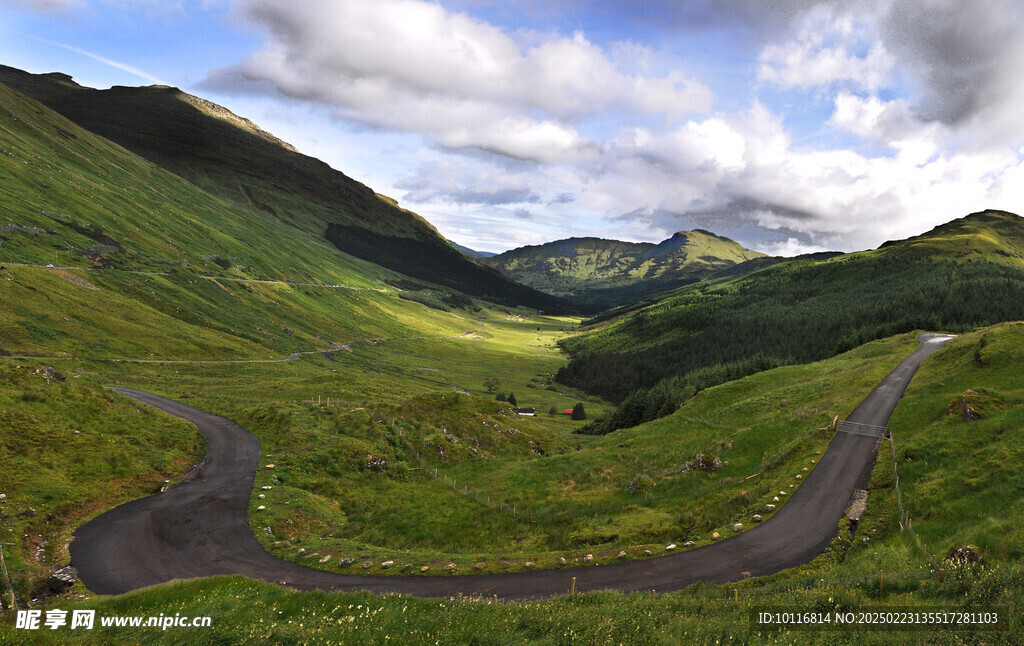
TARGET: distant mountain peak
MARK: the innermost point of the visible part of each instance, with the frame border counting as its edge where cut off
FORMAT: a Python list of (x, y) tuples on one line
[(595, 272)]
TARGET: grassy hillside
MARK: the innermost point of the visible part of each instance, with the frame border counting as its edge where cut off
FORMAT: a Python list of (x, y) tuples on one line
[(959, 471), (70, 450), (958, 485), (596, 274), (162, 285), (969, 272), (149, 266), (229, 157), (71, 198), (428, 422)]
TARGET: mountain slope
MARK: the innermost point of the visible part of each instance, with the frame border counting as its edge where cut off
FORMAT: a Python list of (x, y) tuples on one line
[(230, 157), (149, 266), (471, 252), (75, 200), (966, 273), (596, 274)]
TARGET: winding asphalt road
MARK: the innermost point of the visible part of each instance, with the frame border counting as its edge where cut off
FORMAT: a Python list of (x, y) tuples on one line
[(199, 528)]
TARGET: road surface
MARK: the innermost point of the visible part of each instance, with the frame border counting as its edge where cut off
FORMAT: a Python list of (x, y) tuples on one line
[(200, 528)]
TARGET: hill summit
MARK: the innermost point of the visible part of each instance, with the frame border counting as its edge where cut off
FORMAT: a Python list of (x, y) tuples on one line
[(595, 273)]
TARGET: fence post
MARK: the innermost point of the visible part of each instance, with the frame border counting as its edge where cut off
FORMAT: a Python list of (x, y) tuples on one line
[(7, 579)]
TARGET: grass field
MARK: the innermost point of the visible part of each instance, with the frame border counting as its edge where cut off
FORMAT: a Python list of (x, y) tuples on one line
[(940, 457)]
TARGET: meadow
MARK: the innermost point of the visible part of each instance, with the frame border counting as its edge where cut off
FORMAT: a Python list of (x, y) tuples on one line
[(958, 485)]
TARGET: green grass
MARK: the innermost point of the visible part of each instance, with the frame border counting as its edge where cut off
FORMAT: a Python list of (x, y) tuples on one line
[(960, 480), (766, 427), (847, 577), (745, 422), (69, 451), (246, 611)]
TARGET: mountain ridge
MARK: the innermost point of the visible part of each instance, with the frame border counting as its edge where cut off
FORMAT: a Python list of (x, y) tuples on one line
[(230, 157), (597, 273), (963, 274)]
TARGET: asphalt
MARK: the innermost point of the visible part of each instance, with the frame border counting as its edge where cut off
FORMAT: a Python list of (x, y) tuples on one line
[(200, 528)]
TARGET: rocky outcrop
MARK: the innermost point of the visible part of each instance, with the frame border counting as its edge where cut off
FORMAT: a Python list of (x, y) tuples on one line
[(967, 555), (968, 405), (706, 462), (62, 579)]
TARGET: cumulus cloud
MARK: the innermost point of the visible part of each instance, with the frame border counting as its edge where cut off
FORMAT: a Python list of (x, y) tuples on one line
[(459, 183), (413, 65), (920, 101), (825, 199), (824, 51), (945, 140), (965, 61)]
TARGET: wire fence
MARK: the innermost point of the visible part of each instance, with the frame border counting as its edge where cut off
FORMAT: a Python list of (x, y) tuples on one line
[(906, 524)]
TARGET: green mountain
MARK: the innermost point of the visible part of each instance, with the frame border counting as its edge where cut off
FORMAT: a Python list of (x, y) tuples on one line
[(960, 275), (231, 158), (596, 274)]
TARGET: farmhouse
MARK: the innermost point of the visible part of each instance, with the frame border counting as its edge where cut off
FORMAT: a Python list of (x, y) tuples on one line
[(526, 411)]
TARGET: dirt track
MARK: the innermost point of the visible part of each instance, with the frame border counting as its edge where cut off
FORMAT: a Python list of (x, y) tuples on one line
[(200, 529)]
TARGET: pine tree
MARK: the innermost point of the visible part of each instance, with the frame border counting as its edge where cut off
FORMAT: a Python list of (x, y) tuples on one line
[(578, 412)]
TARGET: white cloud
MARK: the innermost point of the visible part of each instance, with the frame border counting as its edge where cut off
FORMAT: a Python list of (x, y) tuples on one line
[(460, 183), (413, 65), (824, 51), (931, 112), (790, 247)]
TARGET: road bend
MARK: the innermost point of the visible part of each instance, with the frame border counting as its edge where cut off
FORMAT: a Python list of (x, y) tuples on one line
[(200, 528)]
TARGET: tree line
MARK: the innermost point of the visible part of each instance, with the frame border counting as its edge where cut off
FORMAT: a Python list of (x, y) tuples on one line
[(799, 312)]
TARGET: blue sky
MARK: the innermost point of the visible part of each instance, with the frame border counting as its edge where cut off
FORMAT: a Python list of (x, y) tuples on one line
[(790, 125)]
